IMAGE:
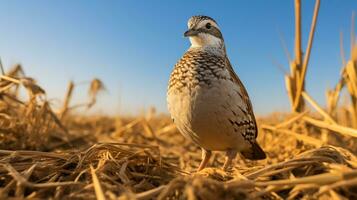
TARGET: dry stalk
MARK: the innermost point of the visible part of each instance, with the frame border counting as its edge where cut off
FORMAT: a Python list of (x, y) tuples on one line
[(67, 100), (307, 139), (97, 187), (150, 194), (327, 117), (2, 68), (295, 82), (292, 120), (333, 127)]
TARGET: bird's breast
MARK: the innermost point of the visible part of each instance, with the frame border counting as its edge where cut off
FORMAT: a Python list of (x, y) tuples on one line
[(203, 113), (203, 99), (195, 84)]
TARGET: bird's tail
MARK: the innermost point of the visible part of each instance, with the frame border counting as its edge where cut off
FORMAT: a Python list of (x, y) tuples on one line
[(255, 152)]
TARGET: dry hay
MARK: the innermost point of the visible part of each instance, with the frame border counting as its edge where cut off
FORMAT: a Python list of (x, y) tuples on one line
[(144, 158)]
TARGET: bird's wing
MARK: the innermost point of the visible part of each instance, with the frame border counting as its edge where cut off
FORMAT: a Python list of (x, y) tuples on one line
[(245, 98)]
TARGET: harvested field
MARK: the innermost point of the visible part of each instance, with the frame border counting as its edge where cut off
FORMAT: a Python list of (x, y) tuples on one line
[(143, 158)]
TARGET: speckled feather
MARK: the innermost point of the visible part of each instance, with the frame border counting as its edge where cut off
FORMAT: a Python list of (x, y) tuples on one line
[(196, 67), (202, 68)]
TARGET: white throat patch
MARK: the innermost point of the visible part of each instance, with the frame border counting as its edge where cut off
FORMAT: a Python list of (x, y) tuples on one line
[(206, 40)]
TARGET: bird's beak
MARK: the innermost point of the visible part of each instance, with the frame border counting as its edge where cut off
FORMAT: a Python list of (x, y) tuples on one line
[(190, 32)]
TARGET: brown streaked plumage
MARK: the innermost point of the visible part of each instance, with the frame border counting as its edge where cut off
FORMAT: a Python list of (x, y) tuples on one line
[(206, 99)]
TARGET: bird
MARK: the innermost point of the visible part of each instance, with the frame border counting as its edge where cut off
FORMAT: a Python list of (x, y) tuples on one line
[(207, 101)]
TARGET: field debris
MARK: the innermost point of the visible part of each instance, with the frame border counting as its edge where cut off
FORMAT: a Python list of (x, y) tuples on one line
[(137, 165)]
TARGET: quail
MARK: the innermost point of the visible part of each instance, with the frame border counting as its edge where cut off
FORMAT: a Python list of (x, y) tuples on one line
[(207, 101)]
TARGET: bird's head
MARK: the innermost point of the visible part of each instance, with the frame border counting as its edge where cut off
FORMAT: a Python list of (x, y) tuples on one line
[(203, 31)]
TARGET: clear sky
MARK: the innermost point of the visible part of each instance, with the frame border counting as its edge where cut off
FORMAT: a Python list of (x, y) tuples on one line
[(133, 45)]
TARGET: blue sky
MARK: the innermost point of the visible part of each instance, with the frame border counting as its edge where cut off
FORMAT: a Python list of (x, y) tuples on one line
[(133, 45)]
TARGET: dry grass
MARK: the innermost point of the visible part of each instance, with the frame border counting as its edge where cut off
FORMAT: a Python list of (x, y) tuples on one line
[(47, 154), (144, 158)]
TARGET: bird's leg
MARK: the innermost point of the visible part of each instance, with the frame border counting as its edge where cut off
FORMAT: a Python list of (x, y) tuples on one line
[(230, 155), (206, 155)]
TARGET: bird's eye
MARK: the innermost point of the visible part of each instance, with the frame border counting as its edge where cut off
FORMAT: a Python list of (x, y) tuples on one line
[(208, 25)]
